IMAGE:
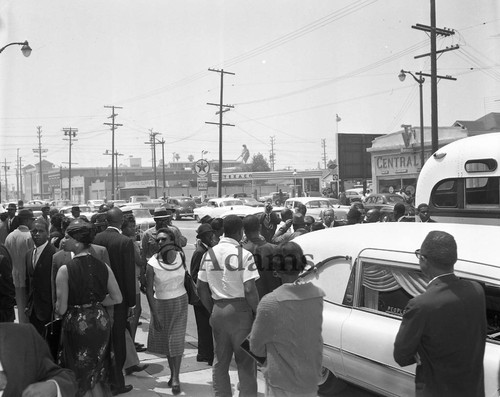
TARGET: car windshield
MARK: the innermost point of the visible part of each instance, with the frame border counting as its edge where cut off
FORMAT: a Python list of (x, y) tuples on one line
[(394, 199), (231, 202), (141, 213), (185, 199)]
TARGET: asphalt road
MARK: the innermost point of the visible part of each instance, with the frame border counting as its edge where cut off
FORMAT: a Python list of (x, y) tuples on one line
[(188, 228)]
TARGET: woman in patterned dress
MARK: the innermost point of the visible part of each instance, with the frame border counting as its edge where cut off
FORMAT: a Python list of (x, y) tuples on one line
[(168, 303), (84, 286)]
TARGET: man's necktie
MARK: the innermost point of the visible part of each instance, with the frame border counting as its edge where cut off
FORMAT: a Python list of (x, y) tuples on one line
[(34, 257)]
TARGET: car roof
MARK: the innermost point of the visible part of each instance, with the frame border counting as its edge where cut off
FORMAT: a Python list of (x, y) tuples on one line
[(474, 242), (219, 199), (305, 200)]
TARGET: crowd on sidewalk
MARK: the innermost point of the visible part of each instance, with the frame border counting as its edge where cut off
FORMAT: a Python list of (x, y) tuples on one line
[(85, 278)]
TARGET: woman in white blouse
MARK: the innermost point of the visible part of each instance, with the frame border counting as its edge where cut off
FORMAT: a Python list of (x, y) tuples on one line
[(168, 302)]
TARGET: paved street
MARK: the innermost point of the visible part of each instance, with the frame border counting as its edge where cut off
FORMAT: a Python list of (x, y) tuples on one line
[(196, 378)]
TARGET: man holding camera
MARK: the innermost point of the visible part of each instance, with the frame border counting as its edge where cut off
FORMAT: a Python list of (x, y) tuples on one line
[(269, 221)]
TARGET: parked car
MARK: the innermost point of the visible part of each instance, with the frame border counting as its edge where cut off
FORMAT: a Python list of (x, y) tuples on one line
[(368, 276), (353, 195), (118, 203), (180, 206), (143, 218), (251, 202), (385, 203), (216, 207), (245, 210), (95, 204), (316, 205), (84, 210), (274, 196)]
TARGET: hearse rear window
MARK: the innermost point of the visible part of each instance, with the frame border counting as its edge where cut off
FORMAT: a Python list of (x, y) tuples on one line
[(388, 289)]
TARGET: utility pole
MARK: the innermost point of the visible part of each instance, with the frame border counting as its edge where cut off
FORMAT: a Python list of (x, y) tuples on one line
[(71, 133), (39, 151), (152, 142), (20, 167), (114, 126), (17, 175), (162, 143), (5, 169), (434, 32), (222, 108), (272, 158), (116, 169), (323, 145)]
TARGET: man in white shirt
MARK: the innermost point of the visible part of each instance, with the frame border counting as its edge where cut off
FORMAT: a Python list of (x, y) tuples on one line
[(18, 243), (226, 285)]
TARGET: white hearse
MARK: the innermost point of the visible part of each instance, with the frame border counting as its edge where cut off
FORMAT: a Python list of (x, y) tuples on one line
[(369, 272)]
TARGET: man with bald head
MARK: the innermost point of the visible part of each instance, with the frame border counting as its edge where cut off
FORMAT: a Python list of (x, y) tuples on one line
[(38, 262), (444, 329), (122, 262)]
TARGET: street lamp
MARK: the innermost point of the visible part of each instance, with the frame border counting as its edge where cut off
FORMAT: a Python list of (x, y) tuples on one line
[(203, 152), (25, 49), (420, 81)]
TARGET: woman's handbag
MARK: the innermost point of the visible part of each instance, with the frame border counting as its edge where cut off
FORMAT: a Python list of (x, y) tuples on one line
[(52, 335), (189, 284)]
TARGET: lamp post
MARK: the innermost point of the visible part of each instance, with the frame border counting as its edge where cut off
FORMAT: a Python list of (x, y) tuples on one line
[(420, 80), (203, 152), (25, 49)]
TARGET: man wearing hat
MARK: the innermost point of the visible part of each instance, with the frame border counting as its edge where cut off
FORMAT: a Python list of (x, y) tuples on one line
[(99, 221), (205, 339), (162, 218), (11, 211), (18, 243)]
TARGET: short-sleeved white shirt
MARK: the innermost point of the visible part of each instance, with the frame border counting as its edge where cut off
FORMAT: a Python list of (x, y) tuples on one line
[(234, 266)]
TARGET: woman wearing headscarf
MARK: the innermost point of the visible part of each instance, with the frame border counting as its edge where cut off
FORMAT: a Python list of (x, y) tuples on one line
[(84, 286), (168, 302)]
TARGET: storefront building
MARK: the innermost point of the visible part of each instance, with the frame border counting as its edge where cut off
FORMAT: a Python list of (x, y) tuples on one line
[(396, 157)]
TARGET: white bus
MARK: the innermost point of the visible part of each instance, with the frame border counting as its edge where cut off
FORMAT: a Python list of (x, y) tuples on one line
[(460, 182)]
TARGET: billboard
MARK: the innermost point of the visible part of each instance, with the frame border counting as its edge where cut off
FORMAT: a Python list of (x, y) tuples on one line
[(354, 160)]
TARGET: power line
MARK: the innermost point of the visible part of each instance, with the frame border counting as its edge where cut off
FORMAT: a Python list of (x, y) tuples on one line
[(114, 126), (222, 109)]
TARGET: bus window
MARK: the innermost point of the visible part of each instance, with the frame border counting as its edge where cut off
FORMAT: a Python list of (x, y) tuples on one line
[(445, 194), (482, 191), (484, 165)]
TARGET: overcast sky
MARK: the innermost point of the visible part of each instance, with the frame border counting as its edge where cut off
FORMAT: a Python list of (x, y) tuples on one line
[(296, 64)]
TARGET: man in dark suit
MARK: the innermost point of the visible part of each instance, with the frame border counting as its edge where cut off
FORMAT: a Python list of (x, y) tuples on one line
[(38, 276), (205, 339), (27, 365), (122, 262), (444, 330)]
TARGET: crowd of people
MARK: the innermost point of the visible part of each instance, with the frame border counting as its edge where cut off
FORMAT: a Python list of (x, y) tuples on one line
[(89, 275)]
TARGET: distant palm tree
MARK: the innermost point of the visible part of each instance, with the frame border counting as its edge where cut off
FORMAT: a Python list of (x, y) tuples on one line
[(175, 156)]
